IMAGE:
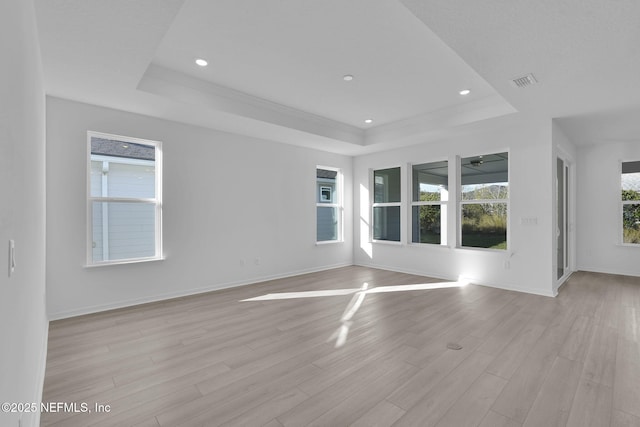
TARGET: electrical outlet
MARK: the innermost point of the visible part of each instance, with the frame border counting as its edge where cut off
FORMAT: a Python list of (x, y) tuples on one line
[(256, 261), (507, 265)]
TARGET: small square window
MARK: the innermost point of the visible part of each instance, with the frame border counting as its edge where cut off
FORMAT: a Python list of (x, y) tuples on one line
[(325, 194)]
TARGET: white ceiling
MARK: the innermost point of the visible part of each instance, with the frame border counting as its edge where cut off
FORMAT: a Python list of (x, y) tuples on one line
[(296, 52), (276, 66)]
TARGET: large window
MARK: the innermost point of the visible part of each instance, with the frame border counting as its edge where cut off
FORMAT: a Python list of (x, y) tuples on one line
[(125, 199), (630, 180), (430, 183), (328, 204), (484, 200), (386, 204)]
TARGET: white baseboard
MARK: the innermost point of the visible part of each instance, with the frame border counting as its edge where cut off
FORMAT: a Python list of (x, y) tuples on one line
[(170, 295), (608, 271), (405, 270), (507, 287), (34, 421)]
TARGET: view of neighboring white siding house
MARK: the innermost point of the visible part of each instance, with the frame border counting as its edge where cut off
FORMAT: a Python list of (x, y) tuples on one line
[(328, 205), (123, 200)]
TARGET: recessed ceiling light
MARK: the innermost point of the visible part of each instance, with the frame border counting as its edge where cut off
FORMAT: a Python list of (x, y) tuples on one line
[(347, 77), (367, 121), (201, 62), (464, 92), (125, 146)]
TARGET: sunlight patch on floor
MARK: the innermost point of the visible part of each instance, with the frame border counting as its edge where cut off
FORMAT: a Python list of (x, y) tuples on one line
[(340, 292), (359, 294)]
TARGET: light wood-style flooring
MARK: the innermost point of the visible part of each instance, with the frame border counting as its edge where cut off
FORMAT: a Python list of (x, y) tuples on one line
[(345, 358)]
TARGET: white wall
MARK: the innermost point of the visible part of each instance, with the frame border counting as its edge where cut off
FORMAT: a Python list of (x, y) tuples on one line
[(598, 212), (23, 320), (226, 199), (529, 145)]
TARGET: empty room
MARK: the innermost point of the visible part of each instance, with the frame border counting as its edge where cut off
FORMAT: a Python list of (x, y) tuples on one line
[(331, 213)]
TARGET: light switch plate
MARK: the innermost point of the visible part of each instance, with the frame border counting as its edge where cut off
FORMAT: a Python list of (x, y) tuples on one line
[(12, 257)]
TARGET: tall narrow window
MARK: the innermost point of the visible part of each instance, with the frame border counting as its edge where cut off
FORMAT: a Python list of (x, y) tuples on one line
[(631, 202), (430, 183), (328, 205), (386, 204), (125, 199), (484, 201)]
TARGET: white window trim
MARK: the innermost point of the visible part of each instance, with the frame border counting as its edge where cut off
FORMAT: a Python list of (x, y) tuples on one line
[(440, 203), (373, 204), (621, 241), (461, 203), (157, 200), (336, 202)]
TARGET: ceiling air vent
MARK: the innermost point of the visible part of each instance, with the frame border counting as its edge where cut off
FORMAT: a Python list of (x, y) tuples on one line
[(524, 81)]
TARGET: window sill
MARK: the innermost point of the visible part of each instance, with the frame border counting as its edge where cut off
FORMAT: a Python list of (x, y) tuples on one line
[(428, 245), (628, 245), (387, 242), (329, 242), (122, 262), (485, 250)]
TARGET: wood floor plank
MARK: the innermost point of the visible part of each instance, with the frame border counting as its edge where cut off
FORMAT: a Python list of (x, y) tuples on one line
[(516, 351), (225, 403), (279, 404), (626, 389), (519, 394), (494, 419), (578, 339), (142, 408), (352, 385), (600, 360), (503, 334), (215, 358), (356, 405), (501, 316), (435, 404), (382, 415), (622, 419), (412, 391), (334, 373), (553, 403), (150, 422), (469, 410), (631, 321), (592, 405)]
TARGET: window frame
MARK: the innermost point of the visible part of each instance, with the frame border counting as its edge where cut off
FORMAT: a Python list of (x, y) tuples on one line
[(373, 204), (336, 202), (444, 214), (461, 202), (622, 204), (156, 201)]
